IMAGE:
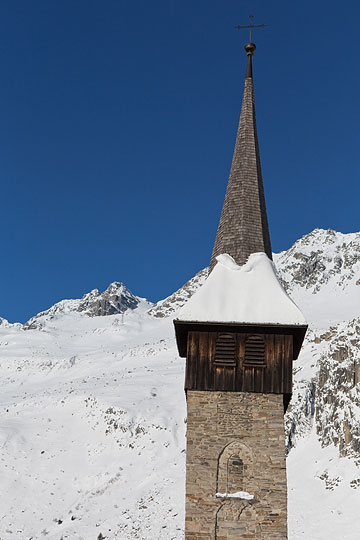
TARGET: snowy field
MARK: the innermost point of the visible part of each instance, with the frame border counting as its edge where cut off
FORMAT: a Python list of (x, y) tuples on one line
[(92, 429)]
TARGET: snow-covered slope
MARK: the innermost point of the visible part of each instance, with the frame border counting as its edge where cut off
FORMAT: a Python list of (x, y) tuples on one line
[(92, 428)]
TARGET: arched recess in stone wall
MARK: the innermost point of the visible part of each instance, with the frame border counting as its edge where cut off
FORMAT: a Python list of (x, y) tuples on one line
[(236, 519), (234, 468)]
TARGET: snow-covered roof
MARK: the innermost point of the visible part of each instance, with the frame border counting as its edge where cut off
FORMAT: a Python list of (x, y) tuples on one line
[(248, 294)]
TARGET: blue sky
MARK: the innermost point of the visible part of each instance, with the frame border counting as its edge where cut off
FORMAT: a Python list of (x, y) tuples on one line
[(118, 122)]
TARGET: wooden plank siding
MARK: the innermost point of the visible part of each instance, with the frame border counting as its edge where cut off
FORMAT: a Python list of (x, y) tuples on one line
[(275, 376)]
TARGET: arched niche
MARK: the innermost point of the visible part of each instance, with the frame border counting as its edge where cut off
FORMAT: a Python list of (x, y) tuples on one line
[(234, 469)]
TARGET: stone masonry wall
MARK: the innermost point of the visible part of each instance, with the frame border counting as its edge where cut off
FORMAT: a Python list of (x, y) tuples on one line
[(235, 442)]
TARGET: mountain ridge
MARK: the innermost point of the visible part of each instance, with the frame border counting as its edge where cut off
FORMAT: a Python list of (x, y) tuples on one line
[(115, 299)]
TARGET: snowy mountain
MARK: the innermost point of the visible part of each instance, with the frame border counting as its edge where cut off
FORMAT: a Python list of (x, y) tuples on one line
[(115, 299), (93, 422), (321, 272)]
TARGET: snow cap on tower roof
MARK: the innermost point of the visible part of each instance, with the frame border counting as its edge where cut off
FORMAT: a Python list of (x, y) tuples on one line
[(247, 294)]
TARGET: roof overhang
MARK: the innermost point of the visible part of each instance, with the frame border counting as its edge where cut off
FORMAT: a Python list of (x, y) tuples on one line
[(182, 328)]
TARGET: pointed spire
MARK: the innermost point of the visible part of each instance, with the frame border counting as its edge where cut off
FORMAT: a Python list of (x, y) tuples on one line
[(243, 227)]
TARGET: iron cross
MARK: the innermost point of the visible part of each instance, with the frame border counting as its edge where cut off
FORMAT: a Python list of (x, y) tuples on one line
[(251, 25)]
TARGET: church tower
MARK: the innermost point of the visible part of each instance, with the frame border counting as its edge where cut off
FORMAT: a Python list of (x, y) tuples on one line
[(240, 333)]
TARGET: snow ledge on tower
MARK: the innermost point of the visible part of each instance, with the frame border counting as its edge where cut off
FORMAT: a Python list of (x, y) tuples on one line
[(247, 294)]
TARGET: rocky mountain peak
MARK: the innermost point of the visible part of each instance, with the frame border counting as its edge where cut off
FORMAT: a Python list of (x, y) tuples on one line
[(318, 258), (115, 299)]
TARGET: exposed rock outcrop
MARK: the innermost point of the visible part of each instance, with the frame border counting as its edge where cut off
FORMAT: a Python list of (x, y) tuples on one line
[(115, 299)]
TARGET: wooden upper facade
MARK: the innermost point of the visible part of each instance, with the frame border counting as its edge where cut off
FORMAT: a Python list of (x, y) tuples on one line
[(239, 358), (239, 362)]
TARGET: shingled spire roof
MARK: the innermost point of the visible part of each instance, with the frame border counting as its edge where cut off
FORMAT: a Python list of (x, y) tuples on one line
[(243, 227)]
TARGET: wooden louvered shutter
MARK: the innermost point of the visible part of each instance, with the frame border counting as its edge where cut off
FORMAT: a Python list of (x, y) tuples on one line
[(225, 350), (254, 351)]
